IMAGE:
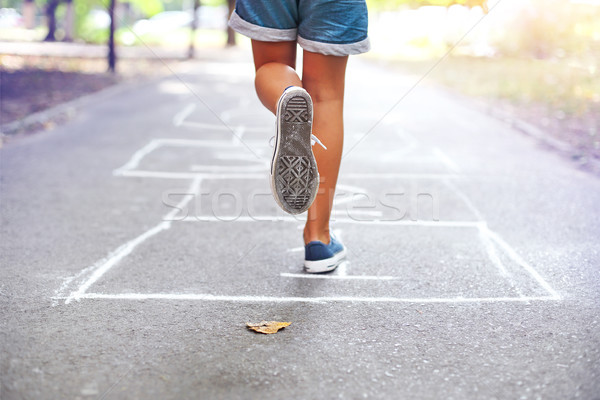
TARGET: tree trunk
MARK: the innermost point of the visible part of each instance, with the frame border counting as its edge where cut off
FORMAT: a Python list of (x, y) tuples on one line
[(29, 14), (69, 21), (51, 6), (230, 32), (194, 26), (112, 57)]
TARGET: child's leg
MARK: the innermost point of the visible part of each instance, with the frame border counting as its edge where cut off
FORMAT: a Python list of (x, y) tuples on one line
[(324, 78), (274, 63)]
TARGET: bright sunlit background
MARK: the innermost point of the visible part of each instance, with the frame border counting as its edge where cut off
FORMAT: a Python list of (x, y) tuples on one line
[(535, 60)]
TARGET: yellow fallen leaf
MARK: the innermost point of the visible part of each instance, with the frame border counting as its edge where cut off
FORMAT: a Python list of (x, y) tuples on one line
[(267, 327)]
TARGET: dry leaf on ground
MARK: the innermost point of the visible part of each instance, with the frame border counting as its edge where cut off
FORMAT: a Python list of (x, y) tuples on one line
[(267, 327)]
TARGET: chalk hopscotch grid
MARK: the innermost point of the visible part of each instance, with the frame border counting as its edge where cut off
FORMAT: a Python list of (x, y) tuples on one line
[(86, 278)]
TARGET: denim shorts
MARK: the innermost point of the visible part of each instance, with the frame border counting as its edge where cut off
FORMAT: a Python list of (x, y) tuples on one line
[(330, 27)]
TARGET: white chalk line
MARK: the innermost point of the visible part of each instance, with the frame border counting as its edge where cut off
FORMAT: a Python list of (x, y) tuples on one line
[(237, 156), (480, 225), (492, 254), (155, 144), (452, 166), (59, 293), (103, 266), (343, 189), (447, 161), (192, 192), (180, 117), (513, 254), (205, 125), (177, 142), (484, 237), (207, 169), (290, 218), (399, 175), (339, 277), (336, 212), (491, 235), (191, 175), (325, 299), (215, 127), (129, 168), (137, 157), (465, 199), (126, 249)]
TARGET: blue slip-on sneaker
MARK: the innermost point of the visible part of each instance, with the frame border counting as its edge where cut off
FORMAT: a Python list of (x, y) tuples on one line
[(294, 174), (321, 257)]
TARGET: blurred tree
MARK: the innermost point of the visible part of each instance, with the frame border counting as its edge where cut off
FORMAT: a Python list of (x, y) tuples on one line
[(51, 6), (112, 57), (230, 32), (29, 14), (69, 21), (194, 26), (70, 17)]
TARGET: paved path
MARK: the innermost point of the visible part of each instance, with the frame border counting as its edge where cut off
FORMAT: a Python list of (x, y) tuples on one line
[(139, 238)]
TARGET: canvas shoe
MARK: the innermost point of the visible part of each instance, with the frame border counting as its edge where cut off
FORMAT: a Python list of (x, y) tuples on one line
[(321, 257), (294, 174)]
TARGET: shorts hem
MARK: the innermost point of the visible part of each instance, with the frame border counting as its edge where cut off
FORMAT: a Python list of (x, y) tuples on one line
[(260, 33), (335, 49)]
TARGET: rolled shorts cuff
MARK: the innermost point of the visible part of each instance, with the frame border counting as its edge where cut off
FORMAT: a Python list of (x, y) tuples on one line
[(335, 49), (260, 33)]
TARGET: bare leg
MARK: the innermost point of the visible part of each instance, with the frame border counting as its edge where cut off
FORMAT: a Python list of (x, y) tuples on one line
[(324, 79), (274, 63)]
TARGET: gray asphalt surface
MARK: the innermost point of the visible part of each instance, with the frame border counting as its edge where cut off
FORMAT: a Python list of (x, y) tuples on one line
[(139, 238)]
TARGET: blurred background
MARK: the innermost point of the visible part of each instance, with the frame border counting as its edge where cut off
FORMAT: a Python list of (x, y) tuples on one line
[(533, 63)]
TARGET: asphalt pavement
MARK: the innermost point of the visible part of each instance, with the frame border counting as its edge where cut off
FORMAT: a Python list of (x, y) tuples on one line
[(140, 237)]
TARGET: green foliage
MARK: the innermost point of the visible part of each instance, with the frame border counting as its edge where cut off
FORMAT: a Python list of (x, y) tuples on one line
[(212, 3), (553, 29), (84, 28), (82, 8), (146, 7), (16, 4)]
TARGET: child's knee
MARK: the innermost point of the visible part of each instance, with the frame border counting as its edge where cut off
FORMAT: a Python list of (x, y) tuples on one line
[(324, 93)]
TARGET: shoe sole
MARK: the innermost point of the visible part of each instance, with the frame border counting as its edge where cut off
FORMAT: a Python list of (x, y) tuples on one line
[(294, 174), (327, 265)]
